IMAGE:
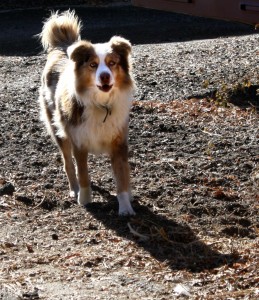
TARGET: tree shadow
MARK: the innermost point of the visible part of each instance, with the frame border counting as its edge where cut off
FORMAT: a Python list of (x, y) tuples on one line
[(244, 95), (141, 26), (166, 240)]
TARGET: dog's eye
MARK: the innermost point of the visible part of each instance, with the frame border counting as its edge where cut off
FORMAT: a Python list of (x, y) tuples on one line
[(112, 63), (93, 65)]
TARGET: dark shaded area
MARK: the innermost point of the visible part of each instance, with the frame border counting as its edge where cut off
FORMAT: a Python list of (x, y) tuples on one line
[(7, 189), (245, 96), (18, 27), (10, 4)]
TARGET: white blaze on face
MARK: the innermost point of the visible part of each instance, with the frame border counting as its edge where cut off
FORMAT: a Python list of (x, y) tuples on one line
[(102, 50)]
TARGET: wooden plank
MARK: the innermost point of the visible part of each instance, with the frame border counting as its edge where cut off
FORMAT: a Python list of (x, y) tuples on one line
[(246, 11)]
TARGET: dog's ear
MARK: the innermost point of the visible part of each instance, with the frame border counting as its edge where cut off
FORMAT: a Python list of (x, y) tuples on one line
[(80, 52), (120, 45)]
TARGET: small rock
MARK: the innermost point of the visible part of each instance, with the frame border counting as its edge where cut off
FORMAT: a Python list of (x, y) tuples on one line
[(31, 295), (153, 83), (54, 237), (48, 186), (91, 226)]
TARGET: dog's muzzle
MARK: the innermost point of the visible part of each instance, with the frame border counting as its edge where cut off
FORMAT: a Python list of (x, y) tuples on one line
[(105, 79)]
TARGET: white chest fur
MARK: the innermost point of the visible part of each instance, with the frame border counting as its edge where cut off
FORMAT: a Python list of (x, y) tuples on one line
[(100, 127)]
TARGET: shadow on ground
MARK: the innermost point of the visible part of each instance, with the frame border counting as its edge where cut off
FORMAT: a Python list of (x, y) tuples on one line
[(169, 242), (244, 95), (141, 26)]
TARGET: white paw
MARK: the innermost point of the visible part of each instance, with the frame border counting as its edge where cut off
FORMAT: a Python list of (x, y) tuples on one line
[(73, 191), (84, 196), (125, 207)]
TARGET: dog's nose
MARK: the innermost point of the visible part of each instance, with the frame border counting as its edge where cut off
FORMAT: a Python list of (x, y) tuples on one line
[(105, 78)]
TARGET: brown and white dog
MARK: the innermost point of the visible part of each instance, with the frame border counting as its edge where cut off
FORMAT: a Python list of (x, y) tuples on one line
[(85, 99)]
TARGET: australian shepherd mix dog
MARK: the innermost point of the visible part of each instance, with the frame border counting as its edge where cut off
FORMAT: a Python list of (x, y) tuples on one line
[(85, 99)]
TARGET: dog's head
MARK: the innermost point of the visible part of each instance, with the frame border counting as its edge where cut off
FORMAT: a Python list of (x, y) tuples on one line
[(101, 67)]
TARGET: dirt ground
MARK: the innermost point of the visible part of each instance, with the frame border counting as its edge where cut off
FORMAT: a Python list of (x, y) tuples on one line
[(195, 176)]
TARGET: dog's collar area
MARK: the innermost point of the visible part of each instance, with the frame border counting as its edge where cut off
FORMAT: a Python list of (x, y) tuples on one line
[(107, 109), (108, 112)]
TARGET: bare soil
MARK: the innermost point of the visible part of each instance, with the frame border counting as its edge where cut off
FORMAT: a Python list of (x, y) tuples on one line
[(195, 176)]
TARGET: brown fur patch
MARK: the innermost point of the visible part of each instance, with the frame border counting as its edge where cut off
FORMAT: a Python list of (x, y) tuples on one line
[(71, 111), (122, 79), (119, 160), (122, 47), (83, 55), (54, 67), (121, 52)]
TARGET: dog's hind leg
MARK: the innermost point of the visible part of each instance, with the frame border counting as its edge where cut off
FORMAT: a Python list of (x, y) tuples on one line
[(69, 167), (85, 193)]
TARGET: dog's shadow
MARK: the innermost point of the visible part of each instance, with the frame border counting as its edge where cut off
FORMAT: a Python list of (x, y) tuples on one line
[(166, 240)]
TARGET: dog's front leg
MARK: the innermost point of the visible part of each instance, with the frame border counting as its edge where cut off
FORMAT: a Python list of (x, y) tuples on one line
[(120, 166), (85, 193)]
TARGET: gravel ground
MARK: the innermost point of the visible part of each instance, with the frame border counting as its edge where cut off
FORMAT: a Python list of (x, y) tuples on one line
[(195, 68), (194, 166)]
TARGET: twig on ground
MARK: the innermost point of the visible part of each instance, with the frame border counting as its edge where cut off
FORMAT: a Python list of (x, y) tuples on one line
[(134, 232), (36, 206)]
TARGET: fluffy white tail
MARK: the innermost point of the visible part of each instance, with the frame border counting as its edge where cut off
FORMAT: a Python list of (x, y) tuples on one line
[(60, 30)]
